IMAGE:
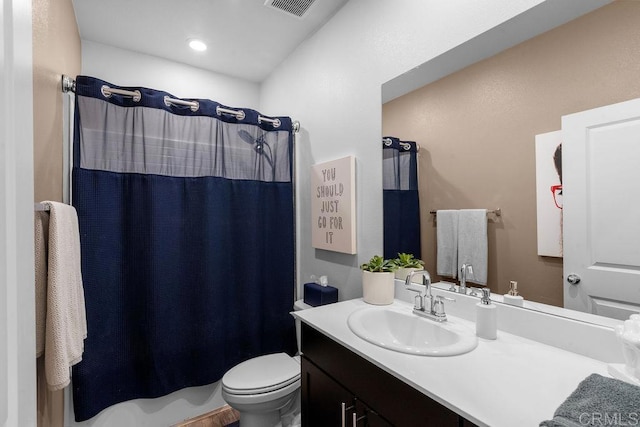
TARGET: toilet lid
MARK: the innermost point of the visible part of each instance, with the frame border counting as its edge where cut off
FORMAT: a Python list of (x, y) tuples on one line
[(262, 374)]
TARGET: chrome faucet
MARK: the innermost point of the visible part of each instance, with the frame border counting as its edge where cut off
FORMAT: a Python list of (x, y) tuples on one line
[(464, 269), (434, 308)]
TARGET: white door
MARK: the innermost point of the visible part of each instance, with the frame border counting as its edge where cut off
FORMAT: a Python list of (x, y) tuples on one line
[(601, 224)]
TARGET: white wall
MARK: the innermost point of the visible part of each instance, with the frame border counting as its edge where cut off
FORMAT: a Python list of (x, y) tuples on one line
[(17, 295), (332, 85), (126, 68)]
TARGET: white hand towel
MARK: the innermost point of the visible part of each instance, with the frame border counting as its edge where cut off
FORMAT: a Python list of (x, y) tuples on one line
[(41, 237), (472, 243), (66, 325), (447, 242)]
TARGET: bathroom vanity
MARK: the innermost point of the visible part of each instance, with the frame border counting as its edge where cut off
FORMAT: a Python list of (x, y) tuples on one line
[(341, 388), (509, 381)]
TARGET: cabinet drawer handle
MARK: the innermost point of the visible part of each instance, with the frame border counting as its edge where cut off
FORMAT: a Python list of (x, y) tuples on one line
[(344, 413), (356, 419)]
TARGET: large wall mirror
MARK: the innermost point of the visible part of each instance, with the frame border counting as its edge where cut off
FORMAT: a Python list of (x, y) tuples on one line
[(476, 129)]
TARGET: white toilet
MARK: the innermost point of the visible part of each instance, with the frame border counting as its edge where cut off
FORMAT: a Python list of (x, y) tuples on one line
[(264, 387)]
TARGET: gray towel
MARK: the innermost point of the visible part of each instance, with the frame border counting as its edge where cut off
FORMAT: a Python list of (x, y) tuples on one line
[(472, 243), (447, 242), (599, 401)]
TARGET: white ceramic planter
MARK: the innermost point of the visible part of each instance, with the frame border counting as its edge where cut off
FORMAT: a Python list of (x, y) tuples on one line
[(377, 288), (403, 272)]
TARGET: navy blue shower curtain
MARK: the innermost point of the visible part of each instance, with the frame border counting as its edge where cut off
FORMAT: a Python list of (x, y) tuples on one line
[(186, 227), (401, 206)]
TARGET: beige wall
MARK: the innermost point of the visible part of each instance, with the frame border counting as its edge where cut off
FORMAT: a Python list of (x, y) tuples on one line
[(56, 51), (476, 130)]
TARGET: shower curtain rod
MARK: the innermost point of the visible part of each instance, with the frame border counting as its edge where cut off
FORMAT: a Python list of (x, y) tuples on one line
[(404, 145), (69, 85), (193, 105)]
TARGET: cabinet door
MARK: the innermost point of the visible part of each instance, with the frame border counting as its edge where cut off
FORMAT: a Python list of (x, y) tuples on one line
[(324, 401), (399, 403)]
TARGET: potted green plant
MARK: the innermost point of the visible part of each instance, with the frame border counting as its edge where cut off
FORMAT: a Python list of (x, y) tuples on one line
[(405, 264), (378, 281)]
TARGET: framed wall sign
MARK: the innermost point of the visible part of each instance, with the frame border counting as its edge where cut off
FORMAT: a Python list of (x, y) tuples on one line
[(333, 205)]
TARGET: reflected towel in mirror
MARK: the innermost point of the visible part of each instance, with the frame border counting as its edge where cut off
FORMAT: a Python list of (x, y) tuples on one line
[(472, 243), (447, 242)]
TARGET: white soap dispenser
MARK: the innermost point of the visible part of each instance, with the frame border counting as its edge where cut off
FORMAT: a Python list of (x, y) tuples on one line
[(512, 297), (486, 317)]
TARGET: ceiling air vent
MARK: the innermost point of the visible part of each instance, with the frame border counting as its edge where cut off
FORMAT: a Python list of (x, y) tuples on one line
[(294, 7)]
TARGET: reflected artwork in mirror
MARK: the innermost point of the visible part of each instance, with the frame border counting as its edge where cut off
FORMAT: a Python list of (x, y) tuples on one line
[(477, 125)]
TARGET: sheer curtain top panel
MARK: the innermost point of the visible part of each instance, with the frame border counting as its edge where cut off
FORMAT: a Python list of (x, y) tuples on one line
[(181, 137), (399, 164)]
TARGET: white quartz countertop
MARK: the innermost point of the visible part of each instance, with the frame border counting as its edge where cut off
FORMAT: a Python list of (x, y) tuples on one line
[(511, 381)]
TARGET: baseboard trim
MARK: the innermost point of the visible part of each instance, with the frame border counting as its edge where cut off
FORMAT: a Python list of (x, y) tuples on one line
[(218, 418)]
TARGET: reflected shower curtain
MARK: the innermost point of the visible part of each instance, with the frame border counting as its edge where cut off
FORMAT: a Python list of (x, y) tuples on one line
[(186, 228), (400, 198)]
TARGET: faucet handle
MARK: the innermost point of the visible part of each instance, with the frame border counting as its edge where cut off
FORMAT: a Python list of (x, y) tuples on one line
[(418, 302), (470, 271), (465, 269), (438, 305)]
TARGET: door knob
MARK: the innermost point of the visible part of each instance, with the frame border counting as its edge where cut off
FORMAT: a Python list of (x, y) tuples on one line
[(574, 279)]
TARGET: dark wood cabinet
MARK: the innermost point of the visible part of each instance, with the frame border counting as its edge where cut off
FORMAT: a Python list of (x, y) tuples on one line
[(325, 402), (340, 387)]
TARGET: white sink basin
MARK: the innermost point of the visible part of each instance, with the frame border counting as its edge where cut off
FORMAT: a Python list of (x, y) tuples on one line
[(400, 330)]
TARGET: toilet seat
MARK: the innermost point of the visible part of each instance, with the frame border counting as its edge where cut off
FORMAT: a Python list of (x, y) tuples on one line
[(262, 374)]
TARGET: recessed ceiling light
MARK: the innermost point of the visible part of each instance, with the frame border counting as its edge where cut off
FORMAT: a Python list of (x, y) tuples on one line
[(197, 45)]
